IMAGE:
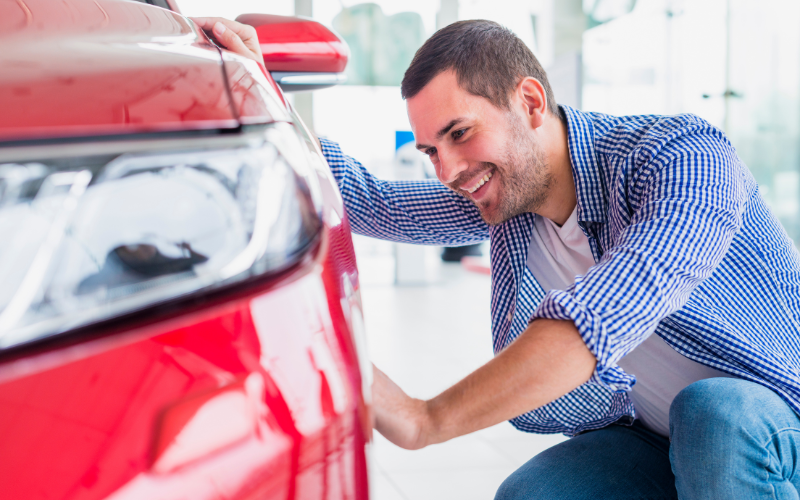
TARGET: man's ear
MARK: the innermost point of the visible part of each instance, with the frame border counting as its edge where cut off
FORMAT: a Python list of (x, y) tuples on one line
[(534, 100)]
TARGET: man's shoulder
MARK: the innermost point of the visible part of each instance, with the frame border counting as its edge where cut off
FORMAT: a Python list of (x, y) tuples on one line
[(649, 134)]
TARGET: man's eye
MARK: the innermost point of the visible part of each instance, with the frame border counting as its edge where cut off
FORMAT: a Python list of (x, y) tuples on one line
[(430, 151), (459, 133)]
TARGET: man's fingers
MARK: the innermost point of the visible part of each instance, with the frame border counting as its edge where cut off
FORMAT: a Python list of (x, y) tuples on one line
[(204, 22), (246, 32), (236, 37), (229, 38)]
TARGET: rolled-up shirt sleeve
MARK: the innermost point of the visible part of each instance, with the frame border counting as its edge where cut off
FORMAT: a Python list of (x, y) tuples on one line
[(685, 204), (422, 212)]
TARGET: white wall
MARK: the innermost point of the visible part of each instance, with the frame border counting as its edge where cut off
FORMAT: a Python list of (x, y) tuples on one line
[(232, 8)]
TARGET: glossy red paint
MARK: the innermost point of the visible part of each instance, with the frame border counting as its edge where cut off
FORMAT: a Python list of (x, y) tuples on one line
[(295, 44), (86, 67), (255, 96), (252, 394), (256, 396)]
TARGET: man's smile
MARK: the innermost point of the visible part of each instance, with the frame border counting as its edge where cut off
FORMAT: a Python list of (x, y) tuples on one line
[(477, 182)]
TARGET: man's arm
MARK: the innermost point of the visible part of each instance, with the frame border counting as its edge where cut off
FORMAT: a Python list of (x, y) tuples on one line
[(687, 200), (421, 212), (545, 362)]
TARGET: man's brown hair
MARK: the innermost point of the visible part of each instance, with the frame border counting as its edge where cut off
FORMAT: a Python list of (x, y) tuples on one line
[(489, 61)]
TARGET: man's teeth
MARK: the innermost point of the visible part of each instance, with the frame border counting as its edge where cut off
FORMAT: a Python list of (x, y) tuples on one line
[(481, 183)]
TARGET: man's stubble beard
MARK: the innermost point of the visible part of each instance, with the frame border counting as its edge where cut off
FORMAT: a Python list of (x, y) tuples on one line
[(524, 176)]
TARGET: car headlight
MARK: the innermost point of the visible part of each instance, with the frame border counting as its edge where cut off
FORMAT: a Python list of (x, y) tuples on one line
[(89, 238)]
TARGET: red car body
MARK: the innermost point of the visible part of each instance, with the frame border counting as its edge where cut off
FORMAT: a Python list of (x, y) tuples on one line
[(252, 390)]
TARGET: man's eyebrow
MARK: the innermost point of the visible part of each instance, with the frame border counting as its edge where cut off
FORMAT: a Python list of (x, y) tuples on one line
[(447, 127), (440, 134)]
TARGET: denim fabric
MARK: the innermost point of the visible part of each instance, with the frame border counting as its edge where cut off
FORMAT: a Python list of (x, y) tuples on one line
[(729, 439), (613, 463), (734, 439)]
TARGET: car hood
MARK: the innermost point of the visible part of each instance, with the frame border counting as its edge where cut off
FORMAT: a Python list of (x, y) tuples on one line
[(98, 67)]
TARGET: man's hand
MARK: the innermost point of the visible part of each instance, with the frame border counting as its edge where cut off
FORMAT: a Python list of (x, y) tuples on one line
[(547, 361), (399, 418), (236, 37)]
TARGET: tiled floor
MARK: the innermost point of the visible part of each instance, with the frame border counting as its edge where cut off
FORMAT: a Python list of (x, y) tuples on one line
[(426, 338)]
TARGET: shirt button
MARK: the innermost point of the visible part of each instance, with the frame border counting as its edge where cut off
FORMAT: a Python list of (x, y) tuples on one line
[(510, 316)]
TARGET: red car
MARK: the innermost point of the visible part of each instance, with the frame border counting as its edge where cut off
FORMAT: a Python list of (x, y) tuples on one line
[(179, 301)]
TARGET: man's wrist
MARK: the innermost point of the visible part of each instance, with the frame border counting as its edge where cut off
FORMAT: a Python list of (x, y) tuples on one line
[(424, 424), (431, 424)]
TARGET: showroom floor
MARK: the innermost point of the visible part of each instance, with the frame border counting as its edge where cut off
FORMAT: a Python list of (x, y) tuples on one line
[(426, 338)]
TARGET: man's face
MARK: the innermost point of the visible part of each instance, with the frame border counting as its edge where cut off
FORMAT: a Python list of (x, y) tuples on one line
[(482, 152)]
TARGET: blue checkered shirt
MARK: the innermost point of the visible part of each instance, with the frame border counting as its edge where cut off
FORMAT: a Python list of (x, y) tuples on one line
[(684, 247)]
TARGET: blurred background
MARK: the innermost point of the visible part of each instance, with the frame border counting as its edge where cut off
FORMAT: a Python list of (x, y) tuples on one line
[(735, 63)]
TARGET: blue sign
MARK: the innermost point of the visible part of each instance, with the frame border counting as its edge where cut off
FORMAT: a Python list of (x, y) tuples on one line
[(402, 137)]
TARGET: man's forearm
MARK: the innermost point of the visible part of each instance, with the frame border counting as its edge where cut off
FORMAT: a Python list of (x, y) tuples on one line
[(547, 361)]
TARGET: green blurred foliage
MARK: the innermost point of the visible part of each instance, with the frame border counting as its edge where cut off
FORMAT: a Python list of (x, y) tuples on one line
[(381, 47)]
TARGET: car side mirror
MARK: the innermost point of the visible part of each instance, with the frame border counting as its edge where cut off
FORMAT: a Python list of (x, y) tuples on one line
[(300, 54)]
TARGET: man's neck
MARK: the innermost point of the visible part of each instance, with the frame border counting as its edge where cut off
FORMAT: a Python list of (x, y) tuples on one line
[(561, 198)]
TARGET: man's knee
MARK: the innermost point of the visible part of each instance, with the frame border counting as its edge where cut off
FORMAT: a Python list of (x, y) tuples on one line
[(723, 403), (705, 423), (721, 429)]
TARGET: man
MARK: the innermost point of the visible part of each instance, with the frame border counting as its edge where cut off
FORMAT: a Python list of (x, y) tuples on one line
[(604, 230)]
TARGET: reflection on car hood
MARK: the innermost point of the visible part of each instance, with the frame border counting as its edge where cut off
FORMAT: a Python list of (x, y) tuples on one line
[(87, 67)]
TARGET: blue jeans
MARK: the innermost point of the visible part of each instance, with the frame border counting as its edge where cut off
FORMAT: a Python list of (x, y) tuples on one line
[(729, 439)]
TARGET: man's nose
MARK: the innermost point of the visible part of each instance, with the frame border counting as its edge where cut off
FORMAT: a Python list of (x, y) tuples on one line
[(450, 166)]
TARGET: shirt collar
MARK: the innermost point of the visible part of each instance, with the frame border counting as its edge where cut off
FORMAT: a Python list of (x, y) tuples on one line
[(589, 189)]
